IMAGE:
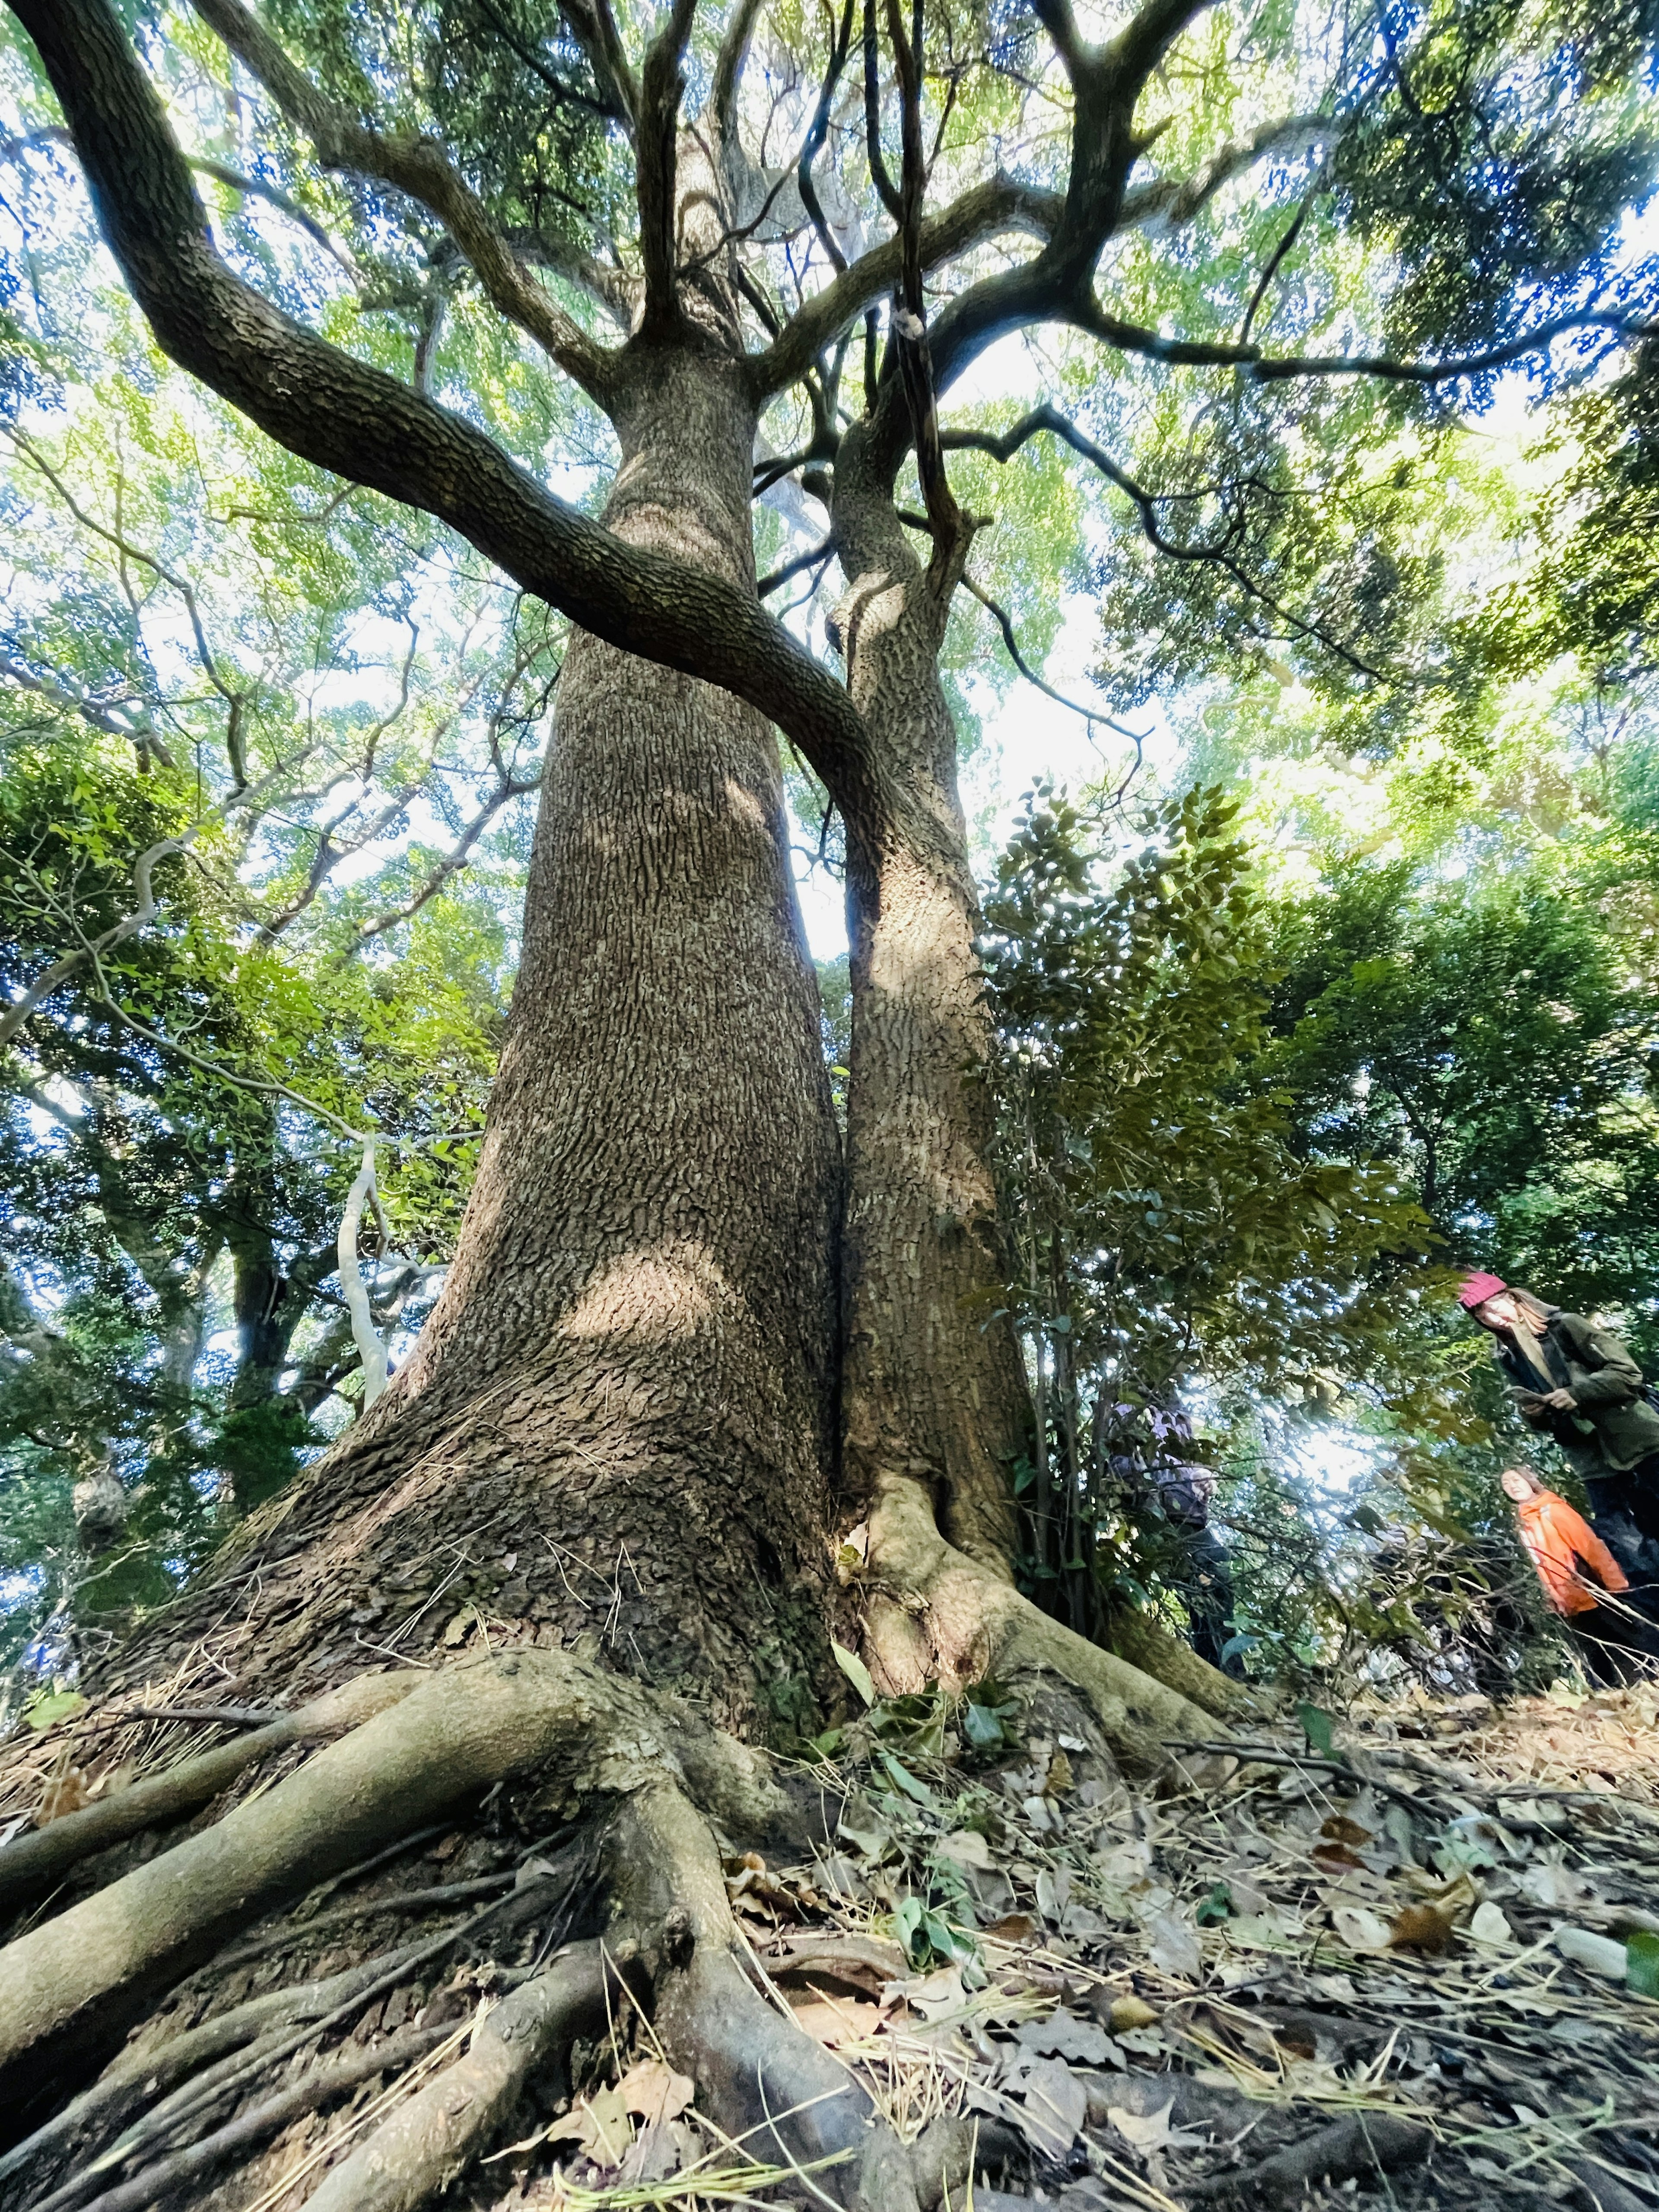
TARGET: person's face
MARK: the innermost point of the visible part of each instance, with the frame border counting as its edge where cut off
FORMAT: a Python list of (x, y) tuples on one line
[(1516, 1486), (1495, 1313)]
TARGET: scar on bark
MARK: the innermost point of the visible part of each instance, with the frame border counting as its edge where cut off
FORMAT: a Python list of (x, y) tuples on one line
[(654, 1781)]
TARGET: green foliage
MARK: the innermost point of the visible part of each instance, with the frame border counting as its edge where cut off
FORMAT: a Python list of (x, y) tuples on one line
[(1167, 1228)]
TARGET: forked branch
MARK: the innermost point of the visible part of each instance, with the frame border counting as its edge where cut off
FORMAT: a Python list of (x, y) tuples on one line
[(418, 168), (345, 416)]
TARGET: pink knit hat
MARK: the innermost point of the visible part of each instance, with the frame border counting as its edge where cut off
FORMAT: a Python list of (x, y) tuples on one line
[(1477, 1289)]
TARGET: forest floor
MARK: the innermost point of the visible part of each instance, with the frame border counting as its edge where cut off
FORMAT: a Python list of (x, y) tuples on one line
[(1405, 1957)]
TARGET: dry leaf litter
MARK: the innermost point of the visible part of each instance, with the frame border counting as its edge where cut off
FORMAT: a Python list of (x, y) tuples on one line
[(1408, 1958)]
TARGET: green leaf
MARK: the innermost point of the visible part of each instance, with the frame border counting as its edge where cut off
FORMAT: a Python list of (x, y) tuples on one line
[(982, 1727), (902, 1779), (1317, 1726), (855, 1671), (1215, 1907), (1642, 1963), (46, 1710)]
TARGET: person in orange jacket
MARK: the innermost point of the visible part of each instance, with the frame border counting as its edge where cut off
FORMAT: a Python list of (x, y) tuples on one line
[(1562, 1545)]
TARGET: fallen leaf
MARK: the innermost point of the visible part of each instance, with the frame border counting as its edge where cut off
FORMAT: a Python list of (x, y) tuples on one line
[(1339, 1830), (1360, 1929), (835, 2021), (966, 1846), (656, 2092), (1175, 1947), (64, 1793), (1421, 1927), (1063, 2035), (1152, 2131), (1054, 1893), (1059, 1779), (936, 1994), (1055, 2104), (1336, 1855), (653, 2155), (1488, 1925), (1597, 1955), (1015, 1929), (1127, 2014), (598, 2125)]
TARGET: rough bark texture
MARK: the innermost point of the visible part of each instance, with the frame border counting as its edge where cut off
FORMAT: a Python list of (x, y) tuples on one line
[(933, 1385), (619, 1417)]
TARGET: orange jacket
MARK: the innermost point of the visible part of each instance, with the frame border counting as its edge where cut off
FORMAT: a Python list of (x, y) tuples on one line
[(1553, 1532)]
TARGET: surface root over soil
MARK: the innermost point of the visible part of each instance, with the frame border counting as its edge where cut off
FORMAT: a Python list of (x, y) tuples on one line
[(581, 1740)]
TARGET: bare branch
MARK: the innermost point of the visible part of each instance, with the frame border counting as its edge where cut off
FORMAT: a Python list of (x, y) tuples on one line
[(418, 168), (1216, 553), (1274, 264), (811, 144), (234, 699), (1005, 624), (459, 856), (1274, 369)]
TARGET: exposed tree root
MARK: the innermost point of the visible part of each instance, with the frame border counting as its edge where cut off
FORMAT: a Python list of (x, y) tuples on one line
[(318, 2087), (935, 1613), (1346, 2150), (430, 2139), (147, 2070), (34, 1862), (1142, 1640), (69, 1988), (588, 1738)]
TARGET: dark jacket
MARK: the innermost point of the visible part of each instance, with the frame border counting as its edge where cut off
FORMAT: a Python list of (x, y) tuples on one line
[(1614, 1424)]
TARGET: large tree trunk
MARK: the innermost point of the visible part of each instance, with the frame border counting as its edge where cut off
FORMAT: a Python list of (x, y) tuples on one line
[(619, 1416), (933, 1384)]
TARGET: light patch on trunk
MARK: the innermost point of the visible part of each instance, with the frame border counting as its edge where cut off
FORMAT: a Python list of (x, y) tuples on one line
[(651, 1295)]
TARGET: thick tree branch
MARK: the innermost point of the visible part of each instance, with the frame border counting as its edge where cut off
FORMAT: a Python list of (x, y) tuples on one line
[(729, 64), (418, 168), (1167, 202), (595, 29), (1142, 44), (608, 104), (1000, 204), (344, 416), (887, 191), (660, 88)]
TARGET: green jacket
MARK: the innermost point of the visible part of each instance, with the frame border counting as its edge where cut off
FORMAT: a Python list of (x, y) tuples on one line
[(1614, 1424)]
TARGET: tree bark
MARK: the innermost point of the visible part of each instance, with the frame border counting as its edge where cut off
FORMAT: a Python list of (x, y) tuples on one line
[(934, 1386), (619, 1415)]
